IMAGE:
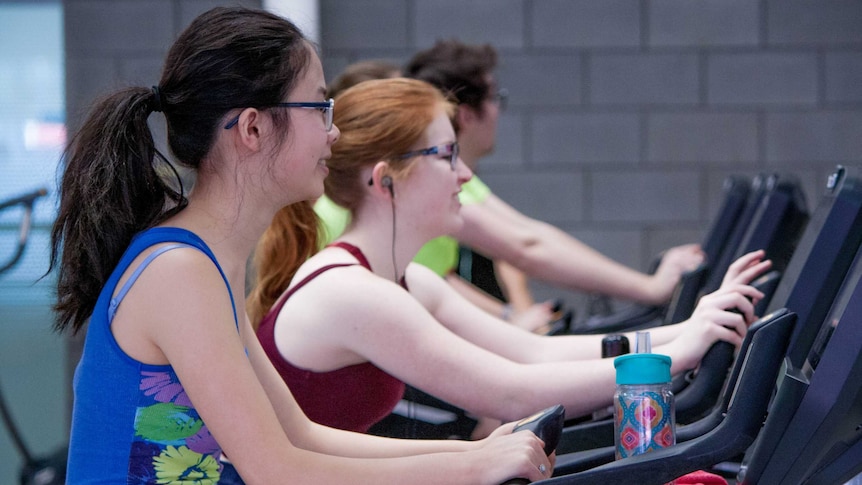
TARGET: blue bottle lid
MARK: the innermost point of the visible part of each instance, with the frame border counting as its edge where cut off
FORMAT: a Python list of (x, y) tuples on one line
[(642, 369)]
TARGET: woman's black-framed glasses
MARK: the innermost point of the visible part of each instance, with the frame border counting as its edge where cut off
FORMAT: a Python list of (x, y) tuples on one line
[(325, 107), (448, 151)]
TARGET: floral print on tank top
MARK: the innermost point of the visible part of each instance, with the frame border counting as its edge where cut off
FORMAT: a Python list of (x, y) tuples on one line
[(172, 444)]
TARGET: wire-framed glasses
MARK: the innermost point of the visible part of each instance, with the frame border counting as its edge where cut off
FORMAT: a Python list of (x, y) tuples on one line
[(449, 152), (327, 108)]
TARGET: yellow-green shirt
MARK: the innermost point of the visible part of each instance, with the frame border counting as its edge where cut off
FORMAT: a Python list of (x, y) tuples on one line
[(333, 218)]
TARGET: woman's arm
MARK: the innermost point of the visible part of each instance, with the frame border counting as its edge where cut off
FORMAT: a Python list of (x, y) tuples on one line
[(492, 334), (192, 327), (514, 284), (690, 339), (533, 317), (367, 318), (312, 436), (544, 252), (475, 295)]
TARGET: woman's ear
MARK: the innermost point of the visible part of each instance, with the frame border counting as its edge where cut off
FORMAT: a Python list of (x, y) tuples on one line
[(249, 128), (466, 116), (381, 180)]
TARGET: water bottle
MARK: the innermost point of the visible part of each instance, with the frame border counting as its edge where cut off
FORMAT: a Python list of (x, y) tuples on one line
[(643, 401)]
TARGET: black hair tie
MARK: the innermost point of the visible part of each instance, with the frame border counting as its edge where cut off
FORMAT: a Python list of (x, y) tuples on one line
[(157, 100)]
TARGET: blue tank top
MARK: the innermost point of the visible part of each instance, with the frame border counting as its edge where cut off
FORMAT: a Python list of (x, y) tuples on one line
[(133, 422)]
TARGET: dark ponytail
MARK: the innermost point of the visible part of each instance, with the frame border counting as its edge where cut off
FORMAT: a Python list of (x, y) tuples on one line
[(112, 186), (110, 191)]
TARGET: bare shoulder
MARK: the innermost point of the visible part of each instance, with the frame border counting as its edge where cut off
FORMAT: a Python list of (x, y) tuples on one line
[(352, 287), (342, 294), (328, 322), (183, 272), (181, 292)]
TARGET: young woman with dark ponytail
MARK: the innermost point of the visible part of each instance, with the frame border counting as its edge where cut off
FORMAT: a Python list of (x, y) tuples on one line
[(172, 374)]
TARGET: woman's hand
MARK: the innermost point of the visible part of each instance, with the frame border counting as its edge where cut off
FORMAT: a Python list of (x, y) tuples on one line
[(745, 269), (535, 318), (722, 315), (507, 455), (503, 429), (675, 261)]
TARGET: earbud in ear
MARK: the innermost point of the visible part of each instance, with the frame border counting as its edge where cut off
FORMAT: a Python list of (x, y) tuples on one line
[(386, 181)]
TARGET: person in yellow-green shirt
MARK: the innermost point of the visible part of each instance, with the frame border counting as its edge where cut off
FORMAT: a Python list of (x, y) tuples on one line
[(499, 231)]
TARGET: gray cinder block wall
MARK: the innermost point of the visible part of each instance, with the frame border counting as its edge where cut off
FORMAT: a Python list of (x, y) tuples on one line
[(117, 43), (625, 116)]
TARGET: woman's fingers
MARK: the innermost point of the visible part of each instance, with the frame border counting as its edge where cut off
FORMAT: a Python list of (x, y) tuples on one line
[(746, 268), (739, 298), (515, 455), (731, 334), (540, 466), (749, 274), (686, 257)]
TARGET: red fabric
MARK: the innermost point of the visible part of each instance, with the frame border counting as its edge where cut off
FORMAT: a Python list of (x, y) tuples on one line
[(700, 478), (352, 398)]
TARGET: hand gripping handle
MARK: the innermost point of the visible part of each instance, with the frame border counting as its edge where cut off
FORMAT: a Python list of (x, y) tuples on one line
[(548, 426)]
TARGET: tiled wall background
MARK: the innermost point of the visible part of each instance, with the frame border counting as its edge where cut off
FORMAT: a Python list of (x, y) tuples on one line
[(625, 116), (113, 43)]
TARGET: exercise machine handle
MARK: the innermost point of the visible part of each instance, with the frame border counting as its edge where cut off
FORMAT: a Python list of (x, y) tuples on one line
[(28, 201), (548, 426)]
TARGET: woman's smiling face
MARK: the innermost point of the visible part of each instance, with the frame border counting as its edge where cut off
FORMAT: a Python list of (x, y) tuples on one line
[(430, 190), (304, 152)]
